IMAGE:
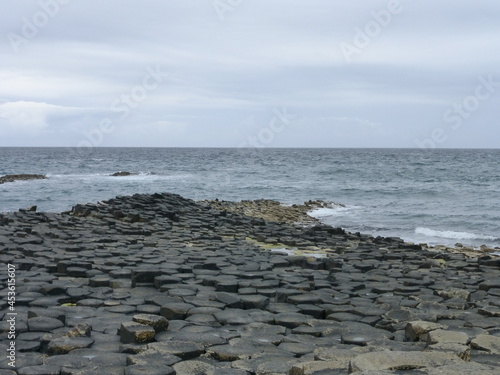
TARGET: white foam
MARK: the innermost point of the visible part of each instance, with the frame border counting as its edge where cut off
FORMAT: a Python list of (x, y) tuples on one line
[(452, 235), (323, 212)]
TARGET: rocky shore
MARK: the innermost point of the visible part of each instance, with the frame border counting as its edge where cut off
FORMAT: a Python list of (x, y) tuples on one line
[(158, 284)]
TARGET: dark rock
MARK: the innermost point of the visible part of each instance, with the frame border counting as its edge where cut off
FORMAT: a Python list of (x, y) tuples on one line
[(159, 323), (122, 174), (21, 177), (174, 311), (149, 370), (182, 349), (132, 332), (39, 370), (44, 324)]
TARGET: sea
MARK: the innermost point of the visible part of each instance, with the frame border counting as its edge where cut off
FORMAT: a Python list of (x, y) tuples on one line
[(433, 196)]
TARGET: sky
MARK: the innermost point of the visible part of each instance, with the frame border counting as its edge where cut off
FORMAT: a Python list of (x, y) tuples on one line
[(250, 73)]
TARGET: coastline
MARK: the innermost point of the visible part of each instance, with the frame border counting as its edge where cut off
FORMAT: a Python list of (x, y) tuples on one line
[(155, 281), (301, 214)]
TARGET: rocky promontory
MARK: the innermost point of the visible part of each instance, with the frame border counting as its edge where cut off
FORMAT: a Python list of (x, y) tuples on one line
[(160, 284), (273, 210), (21, 177)]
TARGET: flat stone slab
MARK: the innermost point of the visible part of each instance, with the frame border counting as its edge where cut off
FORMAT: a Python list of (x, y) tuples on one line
[(182, 349), (44, 324), (65, 345), (378, 361), (39, 370), (149, 370), (488, 343)]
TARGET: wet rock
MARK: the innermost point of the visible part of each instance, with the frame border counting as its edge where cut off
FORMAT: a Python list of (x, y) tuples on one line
[(21, 177), (122, 174)]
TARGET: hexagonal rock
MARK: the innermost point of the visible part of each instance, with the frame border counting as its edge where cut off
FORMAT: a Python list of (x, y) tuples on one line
[(414, 330), (149, 370), (311, 367), (400, 360), (291, 320), (194, 367), (440, 336), (159, 323), (64, 345), (488, 343), (98, 281), (462, 351), (254, 301), (450, 293), (470, 368), (176, 310), (489, 311), (44, 324), (38, 370), (181, 349), (489, 284), (132, 332), (231, 352), (150, 357), (80, 330)]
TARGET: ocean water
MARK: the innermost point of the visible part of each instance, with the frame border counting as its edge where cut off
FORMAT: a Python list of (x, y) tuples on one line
[(425, 196)]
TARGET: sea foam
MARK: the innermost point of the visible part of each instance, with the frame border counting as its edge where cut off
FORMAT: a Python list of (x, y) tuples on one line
[(452, 234)]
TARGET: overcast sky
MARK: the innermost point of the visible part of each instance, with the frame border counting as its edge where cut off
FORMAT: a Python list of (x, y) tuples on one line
[(263, 73)]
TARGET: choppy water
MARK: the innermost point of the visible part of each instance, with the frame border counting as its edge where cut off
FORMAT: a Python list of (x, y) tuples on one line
[(432, 196)]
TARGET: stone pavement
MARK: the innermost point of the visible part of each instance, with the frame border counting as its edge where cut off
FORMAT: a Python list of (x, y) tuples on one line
[(158, 284)]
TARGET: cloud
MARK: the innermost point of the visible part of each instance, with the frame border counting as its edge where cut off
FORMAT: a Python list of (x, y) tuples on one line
[(33, 116), (262, 55)]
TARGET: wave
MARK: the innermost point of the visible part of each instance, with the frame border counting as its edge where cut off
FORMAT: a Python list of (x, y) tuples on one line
[(136, 175), (335, 210), (453, 235)]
